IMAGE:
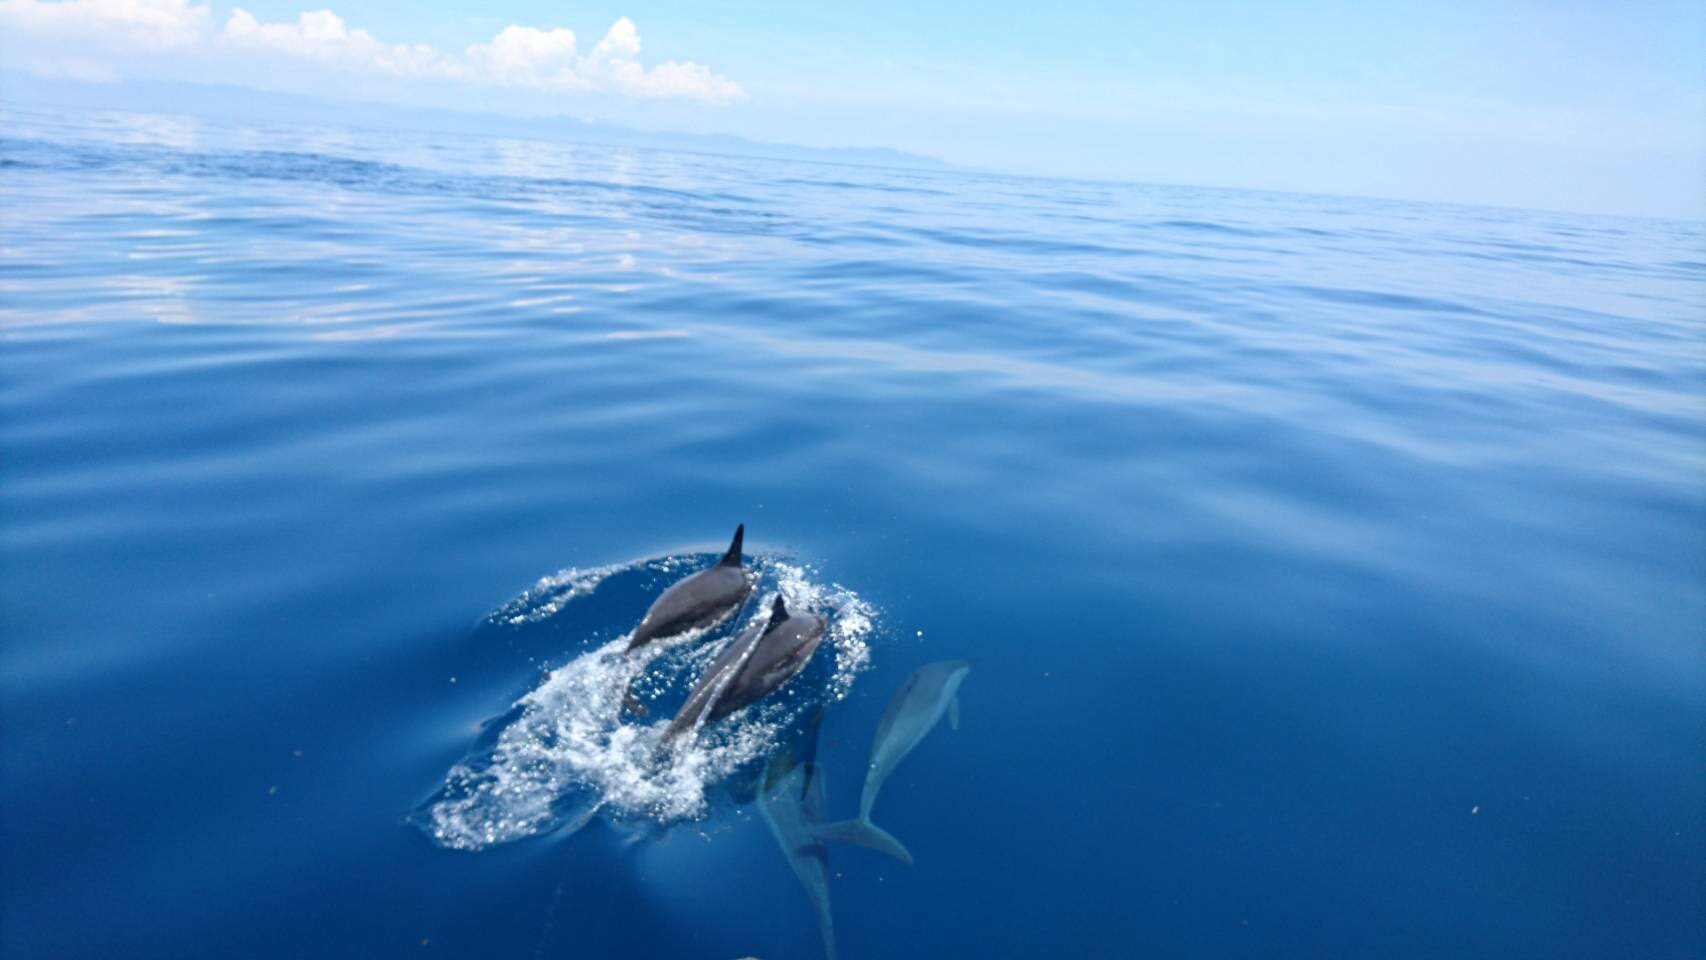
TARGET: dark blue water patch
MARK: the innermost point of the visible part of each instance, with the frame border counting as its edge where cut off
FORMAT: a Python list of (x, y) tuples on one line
[(1386, 301), (1202, 226), (1004, 242), (832, 184)]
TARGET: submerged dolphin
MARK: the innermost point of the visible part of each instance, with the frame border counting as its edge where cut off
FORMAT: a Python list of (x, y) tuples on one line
[(757, 662), (790, 792), (912, 713), (792, 807), (702, 600)]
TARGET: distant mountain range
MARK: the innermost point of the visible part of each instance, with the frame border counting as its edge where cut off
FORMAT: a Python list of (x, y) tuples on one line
[(220, 101)]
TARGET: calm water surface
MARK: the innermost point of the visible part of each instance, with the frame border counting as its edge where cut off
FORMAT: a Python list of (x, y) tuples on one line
[(1333, 571)]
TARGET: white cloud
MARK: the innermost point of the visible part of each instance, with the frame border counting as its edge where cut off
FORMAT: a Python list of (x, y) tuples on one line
[(323, 37), (144, 24), (687, 80), (518, 56), (622, 42), (523, 55), (101, 38), (549, 60)]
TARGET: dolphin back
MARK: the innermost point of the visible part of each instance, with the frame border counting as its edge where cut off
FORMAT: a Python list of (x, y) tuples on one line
[(703, 599), (720, 675), (778, 655), (759, 661), (914, 710)]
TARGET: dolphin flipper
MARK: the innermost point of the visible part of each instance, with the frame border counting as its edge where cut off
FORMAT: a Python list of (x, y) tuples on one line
[(954, 713), (863, 833)]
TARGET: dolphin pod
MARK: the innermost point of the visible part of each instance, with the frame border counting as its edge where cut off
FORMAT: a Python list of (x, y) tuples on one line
[(916, 707), (790, 791)]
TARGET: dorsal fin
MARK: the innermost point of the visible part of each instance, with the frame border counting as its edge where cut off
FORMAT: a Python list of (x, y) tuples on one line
[(732, 558), (778, 613)]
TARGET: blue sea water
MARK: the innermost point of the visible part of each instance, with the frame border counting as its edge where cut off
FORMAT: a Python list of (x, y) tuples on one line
[(1332, 571)]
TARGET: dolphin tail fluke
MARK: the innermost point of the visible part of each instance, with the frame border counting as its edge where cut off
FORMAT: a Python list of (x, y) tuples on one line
[(732, 557), (862, 833), (954, 713)]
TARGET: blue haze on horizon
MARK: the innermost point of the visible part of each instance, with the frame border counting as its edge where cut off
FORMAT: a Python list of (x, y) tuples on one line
[(1569, 106)]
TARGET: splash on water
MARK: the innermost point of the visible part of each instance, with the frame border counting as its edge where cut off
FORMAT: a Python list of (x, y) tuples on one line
[(566, 752)]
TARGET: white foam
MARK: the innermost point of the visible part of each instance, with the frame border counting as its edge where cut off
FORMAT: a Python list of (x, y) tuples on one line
[(568, 754), (550, 595), (851, 621)]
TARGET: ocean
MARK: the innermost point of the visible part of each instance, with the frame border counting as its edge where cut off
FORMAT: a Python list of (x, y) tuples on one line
[(1331, 571)]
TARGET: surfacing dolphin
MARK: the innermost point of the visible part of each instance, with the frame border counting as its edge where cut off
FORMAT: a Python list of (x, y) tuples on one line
[(705, 599), (912, 713), (760, 660)]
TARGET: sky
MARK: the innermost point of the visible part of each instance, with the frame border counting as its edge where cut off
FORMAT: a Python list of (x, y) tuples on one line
[(1567, 105)]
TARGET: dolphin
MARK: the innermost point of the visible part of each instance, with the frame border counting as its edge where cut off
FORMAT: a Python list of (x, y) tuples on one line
[(792, 807), (760, 660), (705, 599), (912, 713), (790, 793)]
